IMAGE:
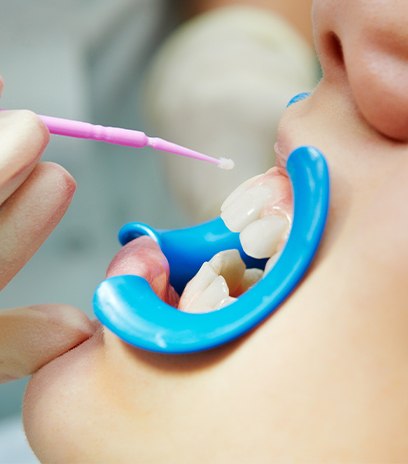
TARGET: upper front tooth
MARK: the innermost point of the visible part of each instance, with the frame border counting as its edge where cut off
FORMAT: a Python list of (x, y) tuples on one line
[(229, 264), (239, 190), (245, 208), (261, 238)]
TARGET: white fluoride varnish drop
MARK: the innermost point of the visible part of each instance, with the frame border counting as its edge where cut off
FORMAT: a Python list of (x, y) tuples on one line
[(226, 163)]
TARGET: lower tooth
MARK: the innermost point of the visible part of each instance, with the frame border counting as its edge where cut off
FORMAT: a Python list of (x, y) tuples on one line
[(261, 238), (229, 264), (226, 302), (210, 298), (251, 277), (271, 262), (204, 277)]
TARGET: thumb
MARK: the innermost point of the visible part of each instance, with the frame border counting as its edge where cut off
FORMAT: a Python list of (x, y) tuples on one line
[(33, 336)]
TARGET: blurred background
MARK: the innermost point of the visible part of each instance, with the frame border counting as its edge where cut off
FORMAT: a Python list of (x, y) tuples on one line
[(82, 59)]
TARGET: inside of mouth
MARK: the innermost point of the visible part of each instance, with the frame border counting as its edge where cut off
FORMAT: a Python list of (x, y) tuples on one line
[(261, 210)]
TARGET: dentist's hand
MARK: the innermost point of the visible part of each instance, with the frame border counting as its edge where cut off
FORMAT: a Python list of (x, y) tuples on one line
[(33, 198)]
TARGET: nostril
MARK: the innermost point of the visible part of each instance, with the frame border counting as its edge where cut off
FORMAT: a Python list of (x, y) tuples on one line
[(334, 48)]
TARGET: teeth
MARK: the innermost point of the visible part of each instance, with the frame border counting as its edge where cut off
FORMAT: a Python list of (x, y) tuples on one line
[(204, 277), (258, 197), (210, 288), (210, 298), (229, 264), (271, 263), (251, 277), (273, 174), (261, 238), (260, 209), (239, 190), (226, 302), (246, 208)]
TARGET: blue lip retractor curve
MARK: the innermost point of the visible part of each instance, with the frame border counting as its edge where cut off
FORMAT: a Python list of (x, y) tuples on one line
[(128, 306)]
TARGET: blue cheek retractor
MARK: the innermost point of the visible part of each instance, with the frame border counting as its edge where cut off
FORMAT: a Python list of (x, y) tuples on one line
[(128, 306)]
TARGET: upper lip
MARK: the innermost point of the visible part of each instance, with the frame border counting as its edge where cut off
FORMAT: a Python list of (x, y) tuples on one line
[(282, 148)]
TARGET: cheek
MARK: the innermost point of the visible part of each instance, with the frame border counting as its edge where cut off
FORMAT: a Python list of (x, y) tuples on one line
[(382, 239)]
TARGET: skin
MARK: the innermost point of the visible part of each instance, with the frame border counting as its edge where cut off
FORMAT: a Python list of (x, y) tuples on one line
[(325, 378)]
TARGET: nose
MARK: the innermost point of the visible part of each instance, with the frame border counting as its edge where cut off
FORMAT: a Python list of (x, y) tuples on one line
[(364, 45)]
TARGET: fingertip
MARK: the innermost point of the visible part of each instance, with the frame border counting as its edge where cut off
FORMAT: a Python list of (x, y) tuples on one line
[(33, 336), (64, 184), (34, 128), (24, 139), (30, 214), (55, 182), (68, 317)]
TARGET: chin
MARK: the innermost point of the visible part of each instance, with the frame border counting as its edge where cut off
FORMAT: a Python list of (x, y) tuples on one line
[(56, 400)]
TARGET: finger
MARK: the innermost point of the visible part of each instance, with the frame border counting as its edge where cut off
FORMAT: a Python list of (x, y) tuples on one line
[(23, 139), (33, 336), (30, 214), (143, 257), (1, 85)]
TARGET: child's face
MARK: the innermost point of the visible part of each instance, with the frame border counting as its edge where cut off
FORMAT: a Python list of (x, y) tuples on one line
[(325, 377)]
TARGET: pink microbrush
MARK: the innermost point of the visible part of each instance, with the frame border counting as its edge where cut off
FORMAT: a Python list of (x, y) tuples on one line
[(127, 137)]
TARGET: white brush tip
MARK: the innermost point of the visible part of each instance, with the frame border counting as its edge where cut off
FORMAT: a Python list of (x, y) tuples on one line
[(226, 163)]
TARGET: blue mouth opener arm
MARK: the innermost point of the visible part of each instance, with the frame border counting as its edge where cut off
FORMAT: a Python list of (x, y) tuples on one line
[(128, 306)]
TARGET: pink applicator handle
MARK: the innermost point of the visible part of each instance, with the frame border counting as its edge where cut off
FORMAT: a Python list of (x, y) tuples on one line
[(85, 130), (126, 137)]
